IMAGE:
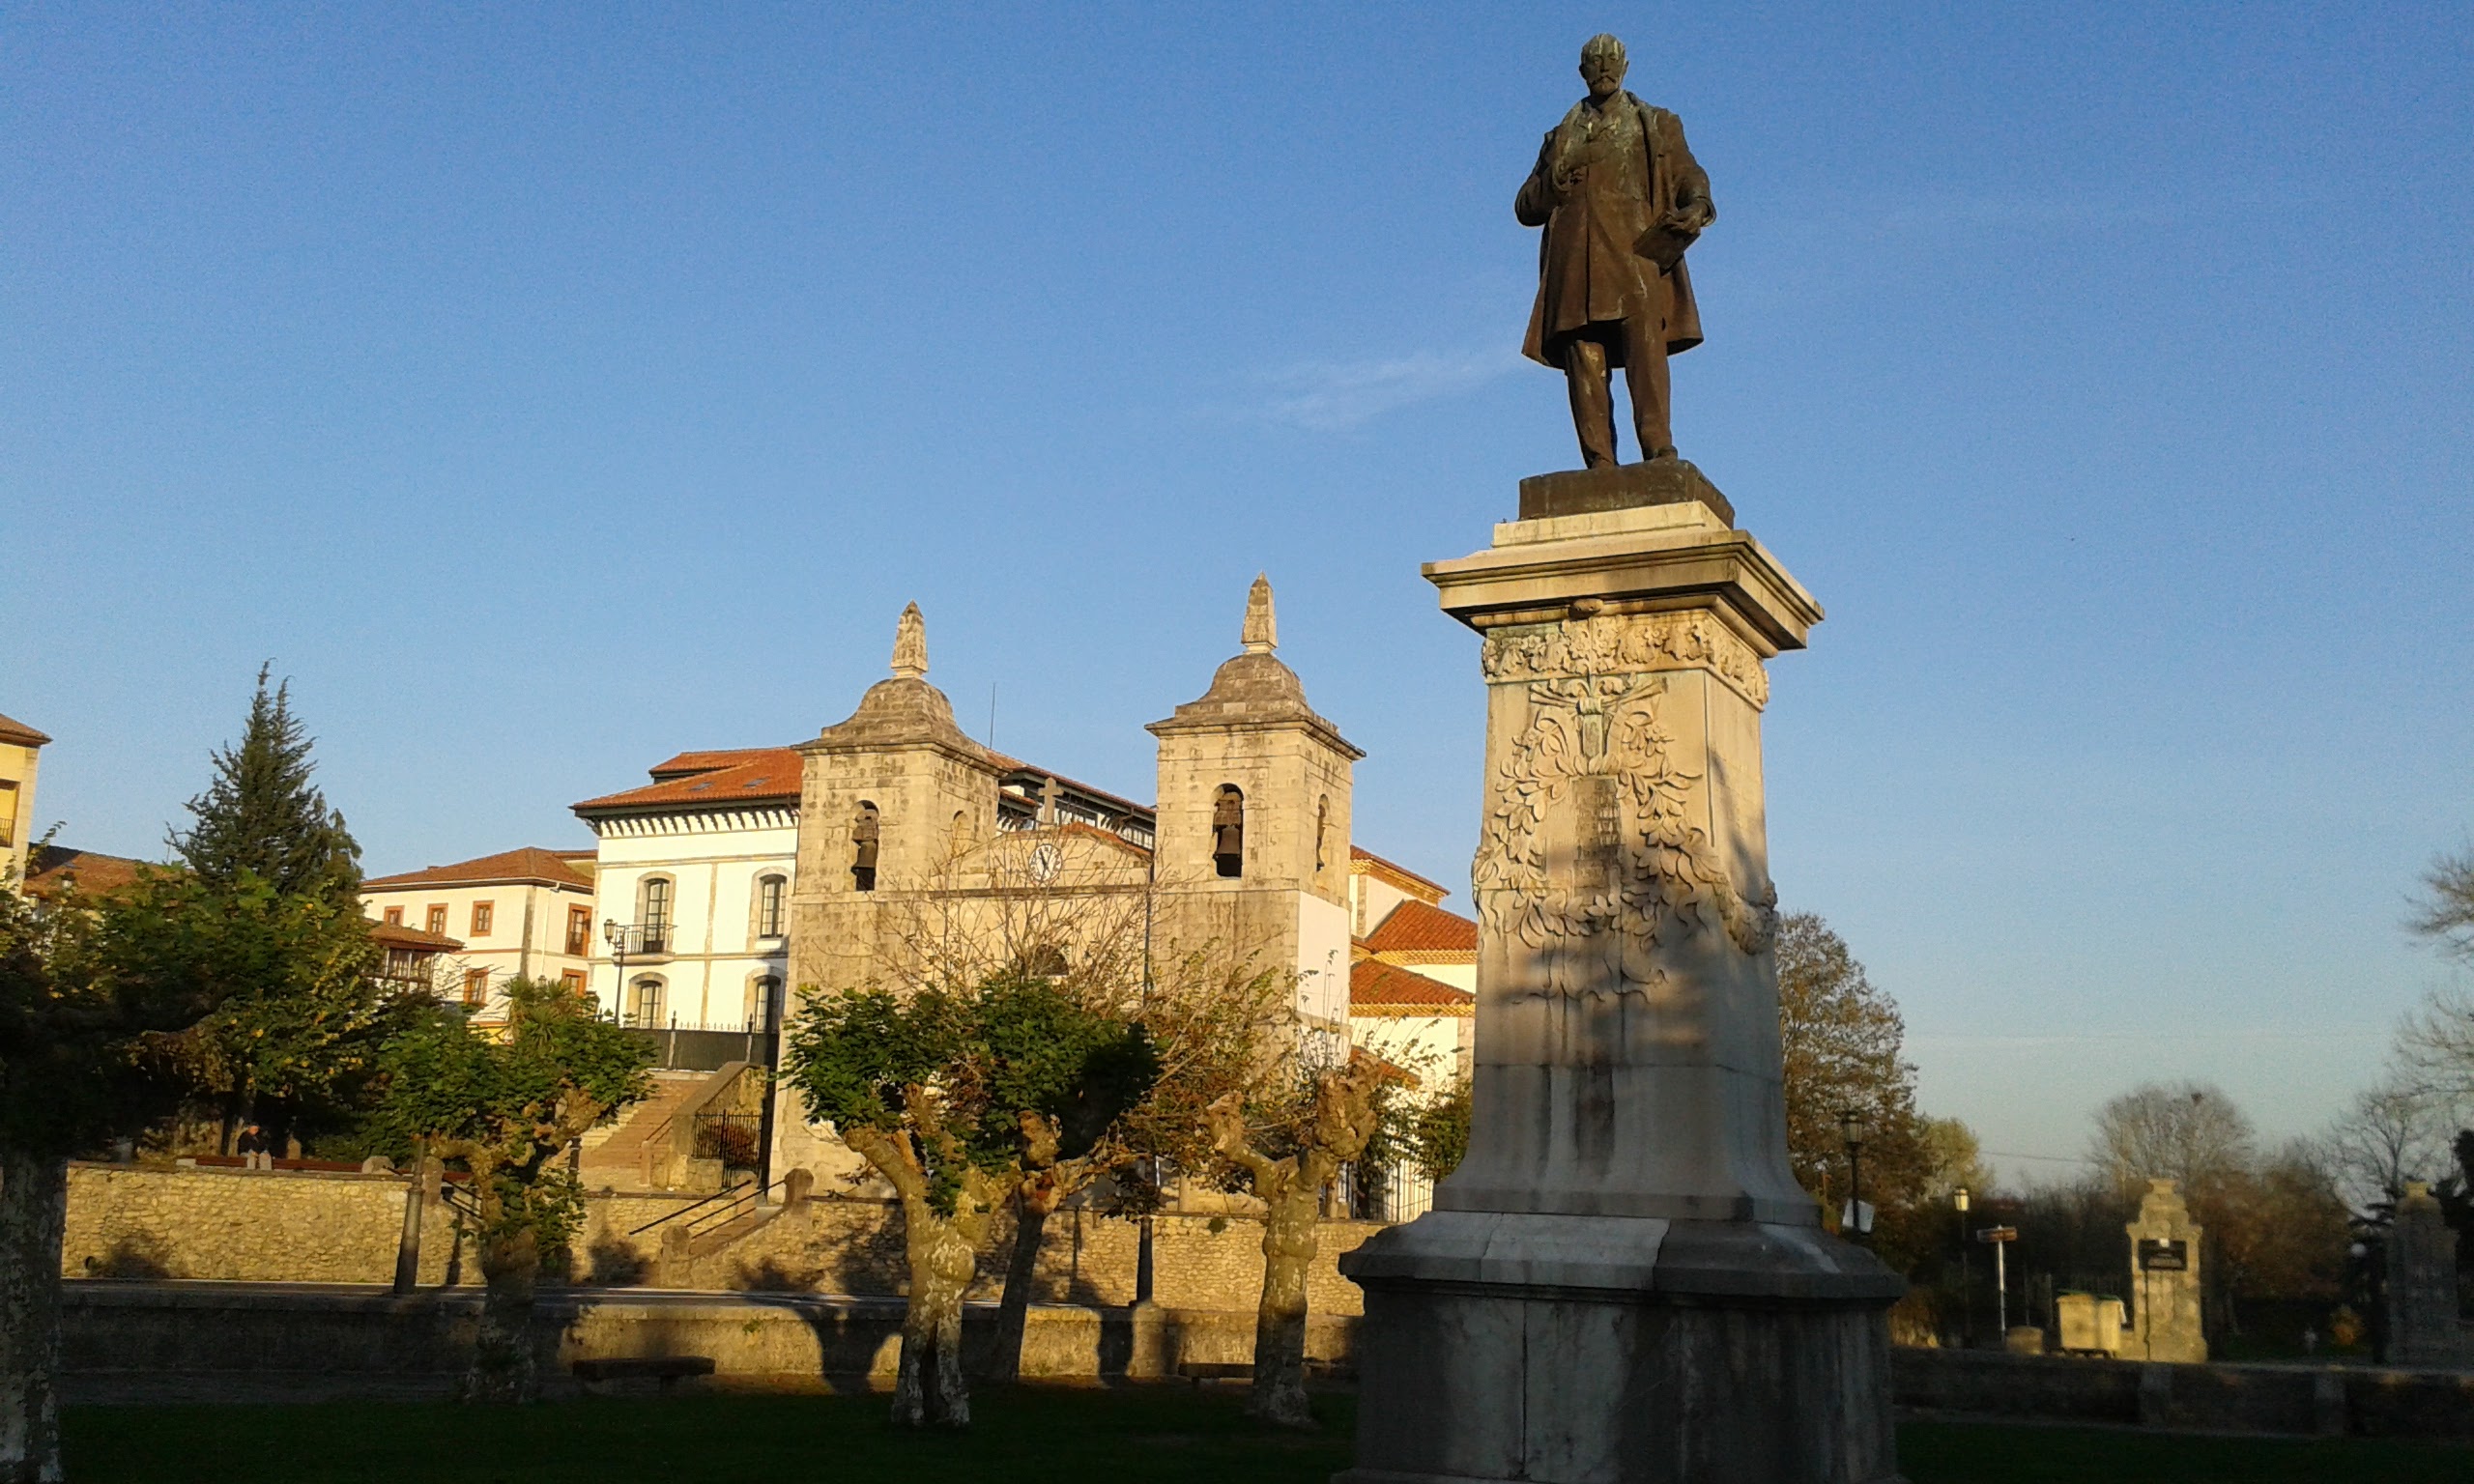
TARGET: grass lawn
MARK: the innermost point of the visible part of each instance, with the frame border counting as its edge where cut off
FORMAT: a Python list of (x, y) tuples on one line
[(1034, 1437)]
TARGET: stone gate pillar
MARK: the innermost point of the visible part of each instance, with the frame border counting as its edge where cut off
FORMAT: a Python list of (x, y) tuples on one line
[(1623, 1281), (2420, 1294), (2165, 1278)]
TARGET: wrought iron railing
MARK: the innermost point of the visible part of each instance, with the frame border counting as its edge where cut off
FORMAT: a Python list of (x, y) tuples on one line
[(640, 940), (735, 1202), (729, 1137)]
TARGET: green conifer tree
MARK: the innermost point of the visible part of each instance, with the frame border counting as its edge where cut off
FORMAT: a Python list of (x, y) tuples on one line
[(262, 815), (294, 1045)]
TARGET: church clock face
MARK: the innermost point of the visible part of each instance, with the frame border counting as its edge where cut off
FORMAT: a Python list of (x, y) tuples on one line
[(1045, 862)]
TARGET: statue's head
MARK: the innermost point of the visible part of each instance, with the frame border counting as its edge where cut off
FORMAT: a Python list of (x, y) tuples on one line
[(1602, 65)]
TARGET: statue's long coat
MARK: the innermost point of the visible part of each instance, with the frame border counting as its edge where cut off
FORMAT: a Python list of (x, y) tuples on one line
[(1613, 222)]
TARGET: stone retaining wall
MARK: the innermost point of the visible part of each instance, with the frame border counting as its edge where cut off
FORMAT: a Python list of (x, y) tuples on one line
[(302, 1226), (314, 1226), (854, 1246), (2328, 1400), (756, 1341)]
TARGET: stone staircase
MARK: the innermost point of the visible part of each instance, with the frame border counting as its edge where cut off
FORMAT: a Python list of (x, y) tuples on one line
[(756, 1219), (615, 1154)]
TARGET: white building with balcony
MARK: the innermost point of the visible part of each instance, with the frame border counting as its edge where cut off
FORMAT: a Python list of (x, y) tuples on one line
[(695, 872), (524, 913)]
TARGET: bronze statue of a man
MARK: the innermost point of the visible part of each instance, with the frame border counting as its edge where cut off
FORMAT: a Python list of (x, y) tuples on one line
[(1621, 198)]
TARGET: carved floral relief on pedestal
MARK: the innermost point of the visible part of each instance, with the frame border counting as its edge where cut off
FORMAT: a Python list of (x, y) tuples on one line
[(1605, 642), (1589, 858)]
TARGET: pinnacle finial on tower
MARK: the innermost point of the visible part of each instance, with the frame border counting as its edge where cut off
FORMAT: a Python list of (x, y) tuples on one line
[(1262, 630), (910, 645)]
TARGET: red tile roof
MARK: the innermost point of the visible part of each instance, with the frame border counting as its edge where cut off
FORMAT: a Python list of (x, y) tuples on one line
[(1106, 837), (713, 760), (52, 869), (1407, 881), (548, 867), (397, 935), (769, 776), (1417, 927), (19, 733), (1374, 986)]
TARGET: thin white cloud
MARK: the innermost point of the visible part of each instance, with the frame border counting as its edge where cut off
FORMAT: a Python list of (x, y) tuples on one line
[(1334, 396)]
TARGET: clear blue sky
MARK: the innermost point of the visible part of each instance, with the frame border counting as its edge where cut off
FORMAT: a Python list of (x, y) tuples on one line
[(547, 389)]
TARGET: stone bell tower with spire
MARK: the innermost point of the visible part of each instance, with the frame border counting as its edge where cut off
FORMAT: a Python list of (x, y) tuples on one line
[(889, 800), (1252, 847)]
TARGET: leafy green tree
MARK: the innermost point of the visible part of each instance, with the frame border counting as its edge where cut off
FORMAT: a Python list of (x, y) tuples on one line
[(295, 1050), (88, 994), (951, 1096), (295, 1036), (1438, 1135), (505, 1107), (1843, 1039)]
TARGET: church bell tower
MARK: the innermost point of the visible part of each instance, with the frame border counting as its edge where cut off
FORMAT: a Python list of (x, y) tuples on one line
[(1254, 824), (888, 801)]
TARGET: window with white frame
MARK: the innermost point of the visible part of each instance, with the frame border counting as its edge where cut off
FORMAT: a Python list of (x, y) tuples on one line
[(652, 913), (645, 1001), (772, 906)]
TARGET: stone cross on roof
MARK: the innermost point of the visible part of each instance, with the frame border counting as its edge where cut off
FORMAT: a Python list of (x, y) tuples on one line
[(1261, 634), (910, 645)]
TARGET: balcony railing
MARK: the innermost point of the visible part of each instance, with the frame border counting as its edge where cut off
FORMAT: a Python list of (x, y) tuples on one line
[(640, 940)]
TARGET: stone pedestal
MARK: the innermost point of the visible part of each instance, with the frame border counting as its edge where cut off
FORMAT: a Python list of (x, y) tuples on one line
[(2419, 1290), (1623, 1281), (2165, 1280)]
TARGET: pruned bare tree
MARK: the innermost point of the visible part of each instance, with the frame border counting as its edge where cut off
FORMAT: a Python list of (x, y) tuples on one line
[(2189, 1132), (2435, 1048), (1291, 1140), (1068, 909), (2389, 1134), (2445, 914)]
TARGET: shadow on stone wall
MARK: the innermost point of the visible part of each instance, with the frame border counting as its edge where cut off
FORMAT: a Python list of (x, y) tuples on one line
[(139, 1256), (135, 1223)]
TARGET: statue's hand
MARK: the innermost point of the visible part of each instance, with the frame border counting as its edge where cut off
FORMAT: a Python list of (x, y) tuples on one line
[(1664, 243)]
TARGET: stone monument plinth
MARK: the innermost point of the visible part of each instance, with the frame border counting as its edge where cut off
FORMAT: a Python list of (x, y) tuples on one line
[(1623, 1281)]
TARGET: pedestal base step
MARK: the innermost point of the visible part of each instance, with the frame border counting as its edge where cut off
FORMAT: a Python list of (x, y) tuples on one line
[(1506, 1347), (1620, 487)]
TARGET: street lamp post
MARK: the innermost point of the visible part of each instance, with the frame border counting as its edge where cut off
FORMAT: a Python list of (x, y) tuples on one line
[(772, 1092), (1858, 1224), (616, 937), (1966, 1287)]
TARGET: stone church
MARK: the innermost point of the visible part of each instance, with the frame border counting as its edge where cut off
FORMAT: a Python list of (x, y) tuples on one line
[(914, 837), (891, 838)]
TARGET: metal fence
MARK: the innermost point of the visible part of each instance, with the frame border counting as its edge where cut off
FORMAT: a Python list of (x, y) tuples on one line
[(1397, 1192), (689, 1048), (729, 1137)]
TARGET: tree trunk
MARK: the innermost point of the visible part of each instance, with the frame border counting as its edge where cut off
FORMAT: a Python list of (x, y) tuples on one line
[(930, 1391), (1034, 1204), (34, 1206), (1290, 1239), (502, 1365)]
